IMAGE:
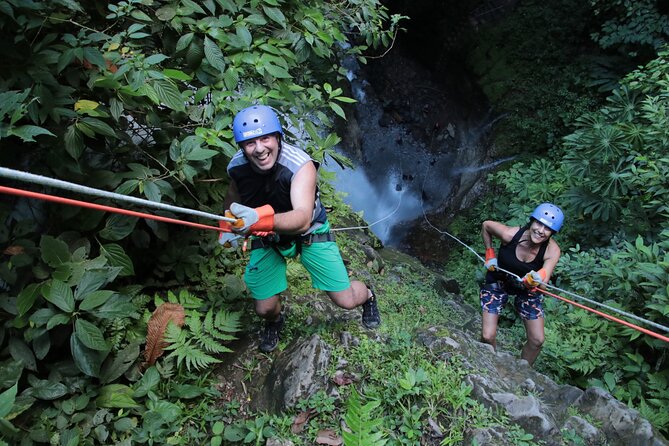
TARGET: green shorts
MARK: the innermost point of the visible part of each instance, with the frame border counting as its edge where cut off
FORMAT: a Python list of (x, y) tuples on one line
[(266, 272)]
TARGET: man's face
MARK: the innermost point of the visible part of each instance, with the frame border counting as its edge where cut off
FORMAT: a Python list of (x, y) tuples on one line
[(262, 152)]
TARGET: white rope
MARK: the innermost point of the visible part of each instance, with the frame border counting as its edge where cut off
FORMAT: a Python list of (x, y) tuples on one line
[(59, 184)]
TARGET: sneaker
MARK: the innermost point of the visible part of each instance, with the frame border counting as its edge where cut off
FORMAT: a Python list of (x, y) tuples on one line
[(370, 312), (269, 338)]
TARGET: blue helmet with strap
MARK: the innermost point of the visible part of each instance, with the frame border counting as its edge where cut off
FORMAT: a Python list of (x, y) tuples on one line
[(550, 215), (255, 121)]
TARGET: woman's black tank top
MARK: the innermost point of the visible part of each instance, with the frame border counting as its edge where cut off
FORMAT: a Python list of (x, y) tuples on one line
[(506, 256)]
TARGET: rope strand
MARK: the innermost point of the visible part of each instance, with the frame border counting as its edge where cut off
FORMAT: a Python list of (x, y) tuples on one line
[(59, 184)]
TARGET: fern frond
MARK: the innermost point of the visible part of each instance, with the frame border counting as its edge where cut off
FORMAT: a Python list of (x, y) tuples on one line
[(362, 423), (211, 345), (227, 321), (192, 356)]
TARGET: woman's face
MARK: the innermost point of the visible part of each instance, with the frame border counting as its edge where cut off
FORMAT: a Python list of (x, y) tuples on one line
[(539, 232)]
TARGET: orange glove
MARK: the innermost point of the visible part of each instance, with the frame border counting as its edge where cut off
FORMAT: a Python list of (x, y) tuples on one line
[(490, 259), (254, 220), (534, 278)]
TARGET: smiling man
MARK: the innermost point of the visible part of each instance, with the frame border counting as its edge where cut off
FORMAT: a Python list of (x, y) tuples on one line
[(530, 253), (274, 191)]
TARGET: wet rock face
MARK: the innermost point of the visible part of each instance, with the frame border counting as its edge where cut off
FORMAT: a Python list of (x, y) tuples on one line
[(296, 374), (542, 407)]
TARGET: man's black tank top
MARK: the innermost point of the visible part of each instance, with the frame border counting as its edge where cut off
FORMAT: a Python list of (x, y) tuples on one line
[(506, 256)]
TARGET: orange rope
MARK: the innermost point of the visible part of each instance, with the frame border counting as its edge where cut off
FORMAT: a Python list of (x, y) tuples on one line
[(99, 207), (607, 316)]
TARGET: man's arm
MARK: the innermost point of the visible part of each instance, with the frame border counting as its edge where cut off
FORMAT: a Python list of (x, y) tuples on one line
[(302, 197)]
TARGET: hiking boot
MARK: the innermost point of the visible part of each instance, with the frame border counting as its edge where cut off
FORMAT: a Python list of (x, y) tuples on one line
[(370, 312), (269, 338)]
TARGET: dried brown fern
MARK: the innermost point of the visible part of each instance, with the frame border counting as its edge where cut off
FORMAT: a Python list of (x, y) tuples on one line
[(155, 332)]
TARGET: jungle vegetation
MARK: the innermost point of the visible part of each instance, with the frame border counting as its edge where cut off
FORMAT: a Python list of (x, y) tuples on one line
[(604, 159), (137, 97)]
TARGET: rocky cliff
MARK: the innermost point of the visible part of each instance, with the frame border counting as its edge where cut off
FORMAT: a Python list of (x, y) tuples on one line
[(526, 401)]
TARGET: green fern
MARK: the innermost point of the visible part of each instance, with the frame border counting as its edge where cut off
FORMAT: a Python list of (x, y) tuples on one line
[(360, 420), (200, 338)]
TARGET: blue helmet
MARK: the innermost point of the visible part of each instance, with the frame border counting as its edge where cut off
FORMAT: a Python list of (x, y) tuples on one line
[(255, 121), (550, 215)]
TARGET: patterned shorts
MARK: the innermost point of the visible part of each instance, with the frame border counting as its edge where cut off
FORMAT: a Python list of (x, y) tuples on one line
[(494, 297)]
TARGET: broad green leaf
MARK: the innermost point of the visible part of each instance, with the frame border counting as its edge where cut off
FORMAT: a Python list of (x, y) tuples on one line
[(57, 319), (176, 74), (94, 56), (116, 396), (184, 41), (113, 368), (166, 13), (74, 142), (228, 5), (116, 107), (155, 59), (276, 71), (127, 187), (26, 298), (256, 19), (120, 306), (337, 109), (90, 335), (87, 360), (10, 372), (213, 54), (95, 299), (54, 252), (244, 35), (21, 352), (149, 380), (85, 105), (117, 257), (97, 126), (93, 280), (169, 95), (140, 15), (28, 132), (152, 191), (276, 15), (60, 294), (199, 154), (42, 316), (46, 390), (118, 227), (7, 399), (42, 345)]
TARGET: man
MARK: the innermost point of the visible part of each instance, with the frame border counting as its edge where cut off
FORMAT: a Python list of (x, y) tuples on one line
[(273, 191), (528, 252)]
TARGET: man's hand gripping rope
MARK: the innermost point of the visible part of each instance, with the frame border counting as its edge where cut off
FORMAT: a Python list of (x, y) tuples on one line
[(243, 221)]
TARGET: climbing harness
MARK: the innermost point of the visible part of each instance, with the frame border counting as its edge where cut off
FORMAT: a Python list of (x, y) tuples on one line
[(275, 240)]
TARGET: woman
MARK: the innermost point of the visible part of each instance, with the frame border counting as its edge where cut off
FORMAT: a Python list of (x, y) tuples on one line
[(530, 253)]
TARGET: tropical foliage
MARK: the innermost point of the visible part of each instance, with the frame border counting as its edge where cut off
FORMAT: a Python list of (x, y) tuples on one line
[(609, 173), (137, 97)]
